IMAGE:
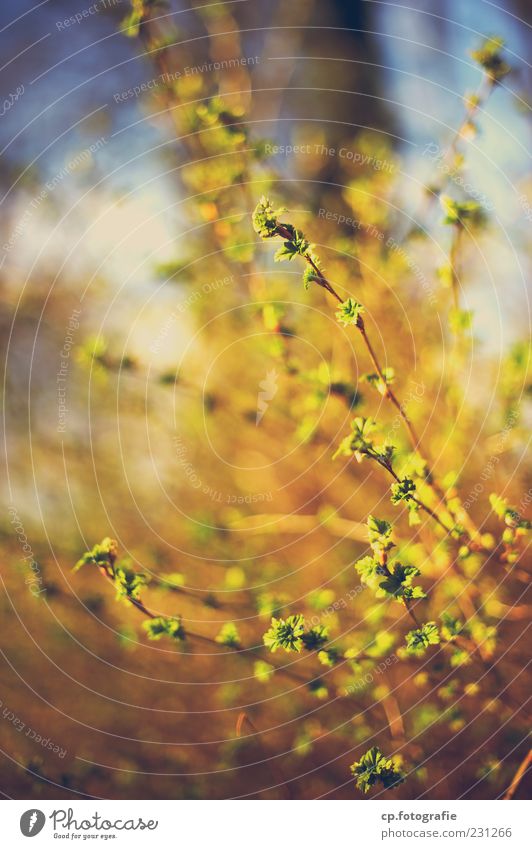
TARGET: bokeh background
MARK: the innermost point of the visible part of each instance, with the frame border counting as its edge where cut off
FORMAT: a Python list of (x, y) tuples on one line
[(127, 243)]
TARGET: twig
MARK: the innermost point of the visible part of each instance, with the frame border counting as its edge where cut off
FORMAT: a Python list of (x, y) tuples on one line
[(519, 775)]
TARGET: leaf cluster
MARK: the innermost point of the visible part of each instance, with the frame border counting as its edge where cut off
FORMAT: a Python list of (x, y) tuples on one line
[(373, 768)]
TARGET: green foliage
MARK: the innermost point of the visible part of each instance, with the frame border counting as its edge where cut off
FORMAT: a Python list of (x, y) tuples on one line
[(399, 582), (217, 128), (229, 636), (269, 605), (381, 644), (139, 11), (373, 768), (460, 321), (103, 554), (92, 354), (397, 578), (263, 671), (174, 580), (483, 634), (460, 657), (349, 312), (509, 515), (165, 626), (462, 213), (298, 245), (265, 218), (234, 578), (128, 583), (402, 490), (329, 657), (360, 443), (377, 382), (361, 439), (515, 527), (379, 534), (368, 568), (309, 276), (489, 57), (315, 637), (418, 640), (320, 599), (285, 633), (215, 113), (318, 689), (451, 627)]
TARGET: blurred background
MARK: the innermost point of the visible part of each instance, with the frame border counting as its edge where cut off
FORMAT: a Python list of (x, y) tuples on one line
[(168, 386)]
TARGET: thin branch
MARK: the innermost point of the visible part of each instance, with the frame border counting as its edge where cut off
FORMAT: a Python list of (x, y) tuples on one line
[(519, 775)]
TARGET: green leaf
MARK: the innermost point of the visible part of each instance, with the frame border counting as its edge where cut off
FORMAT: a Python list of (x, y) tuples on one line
[(399, 582), (318, 688), (309, 276), (264, 219), (131, 24), (374, 379), (368, 569), (165, 626), (374, 767), (379, 534), (315, 638), (104, 553), (349, 312), (285, 633), (229, 636), (234, 578), (509, 514), (468, 212), (329, 657), (418, 640), (174, 579), (128, 583), (402, 490), (451, 628), (460, 320), (498, 505), (489, 57), (263, 671), (270, 605), (460, 657), (320, 599), (287, 251)]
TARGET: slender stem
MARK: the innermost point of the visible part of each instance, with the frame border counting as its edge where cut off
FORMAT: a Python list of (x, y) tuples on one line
[(107, 571), (453, 264), (483, 93), (389, 393), (383, 560), (418, 501), (519, 775), (411, 613)]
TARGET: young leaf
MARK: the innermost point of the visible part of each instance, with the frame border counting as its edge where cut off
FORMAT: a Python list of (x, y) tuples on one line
[(374, 767), (165, 626), (349, 312), (285, 633), (418, 640), (229, 636)]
